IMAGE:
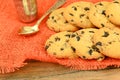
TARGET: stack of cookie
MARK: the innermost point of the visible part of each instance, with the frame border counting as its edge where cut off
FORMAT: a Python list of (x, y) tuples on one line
[(85, 30)]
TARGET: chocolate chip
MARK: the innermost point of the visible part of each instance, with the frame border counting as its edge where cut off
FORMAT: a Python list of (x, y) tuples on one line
[(78, 38), (108, 16), (61, 49), (57, 39), (87, 17), (106, 34), (90, 51), (67, 35), (68, 31), (95, 48), (96, 6), (71, 14), (66, 22), (99, 58), (86, 8), (103, 12), (102, 25), (109, 42), (62, 13), (75, 8), (46, 47), (98, 43), (82, 32), (111, 14), (73, 35), (76, 33), (73, 49), (100, 4), (83, 57), (72, 20), (116, 2), (91, 32), (55, 21), (82, 15), (67, 41), (52, 17)]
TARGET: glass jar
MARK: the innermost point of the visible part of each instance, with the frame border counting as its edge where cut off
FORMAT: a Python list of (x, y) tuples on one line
[(26, 9)]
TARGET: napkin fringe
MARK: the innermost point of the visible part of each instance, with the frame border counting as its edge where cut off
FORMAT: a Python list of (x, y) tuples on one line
[(7, 69)]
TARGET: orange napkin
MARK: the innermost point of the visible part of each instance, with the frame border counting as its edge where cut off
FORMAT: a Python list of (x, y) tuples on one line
[(15, 49)]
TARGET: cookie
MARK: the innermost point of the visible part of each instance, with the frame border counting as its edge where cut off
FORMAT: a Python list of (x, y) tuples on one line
[(58, 23), (108, 42), (106, 35), (97, 15), (82, 42), (57, 45), (113, 12), (77, 14)]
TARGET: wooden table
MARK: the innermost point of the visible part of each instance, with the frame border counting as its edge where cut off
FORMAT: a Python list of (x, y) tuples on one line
[(48, 71)]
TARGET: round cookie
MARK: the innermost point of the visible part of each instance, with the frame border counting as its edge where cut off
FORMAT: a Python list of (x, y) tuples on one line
[(82, 42), (57, 45), (77, 14), (108, 42), (113, 12), (97, 15), (57, 22), (106, 35)]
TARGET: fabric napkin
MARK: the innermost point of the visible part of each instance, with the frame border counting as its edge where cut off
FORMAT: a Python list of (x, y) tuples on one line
[(15, 49)]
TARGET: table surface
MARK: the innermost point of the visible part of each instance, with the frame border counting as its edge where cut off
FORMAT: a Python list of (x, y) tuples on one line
[(36, 70)]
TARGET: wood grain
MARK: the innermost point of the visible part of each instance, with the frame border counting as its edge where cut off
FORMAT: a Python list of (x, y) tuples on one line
[(49, 71)]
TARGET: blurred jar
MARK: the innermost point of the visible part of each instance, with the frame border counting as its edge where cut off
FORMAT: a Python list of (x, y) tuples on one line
[(26, 9)]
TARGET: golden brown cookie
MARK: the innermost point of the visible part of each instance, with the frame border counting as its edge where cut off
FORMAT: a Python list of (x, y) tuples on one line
[(77, 14), (57, 45), (58, 23), (113, 12), (97, 15), (82, 42), (108, 42)]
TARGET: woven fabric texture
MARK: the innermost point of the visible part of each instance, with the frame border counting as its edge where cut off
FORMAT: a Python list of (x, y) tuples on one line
[(15, 49)]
